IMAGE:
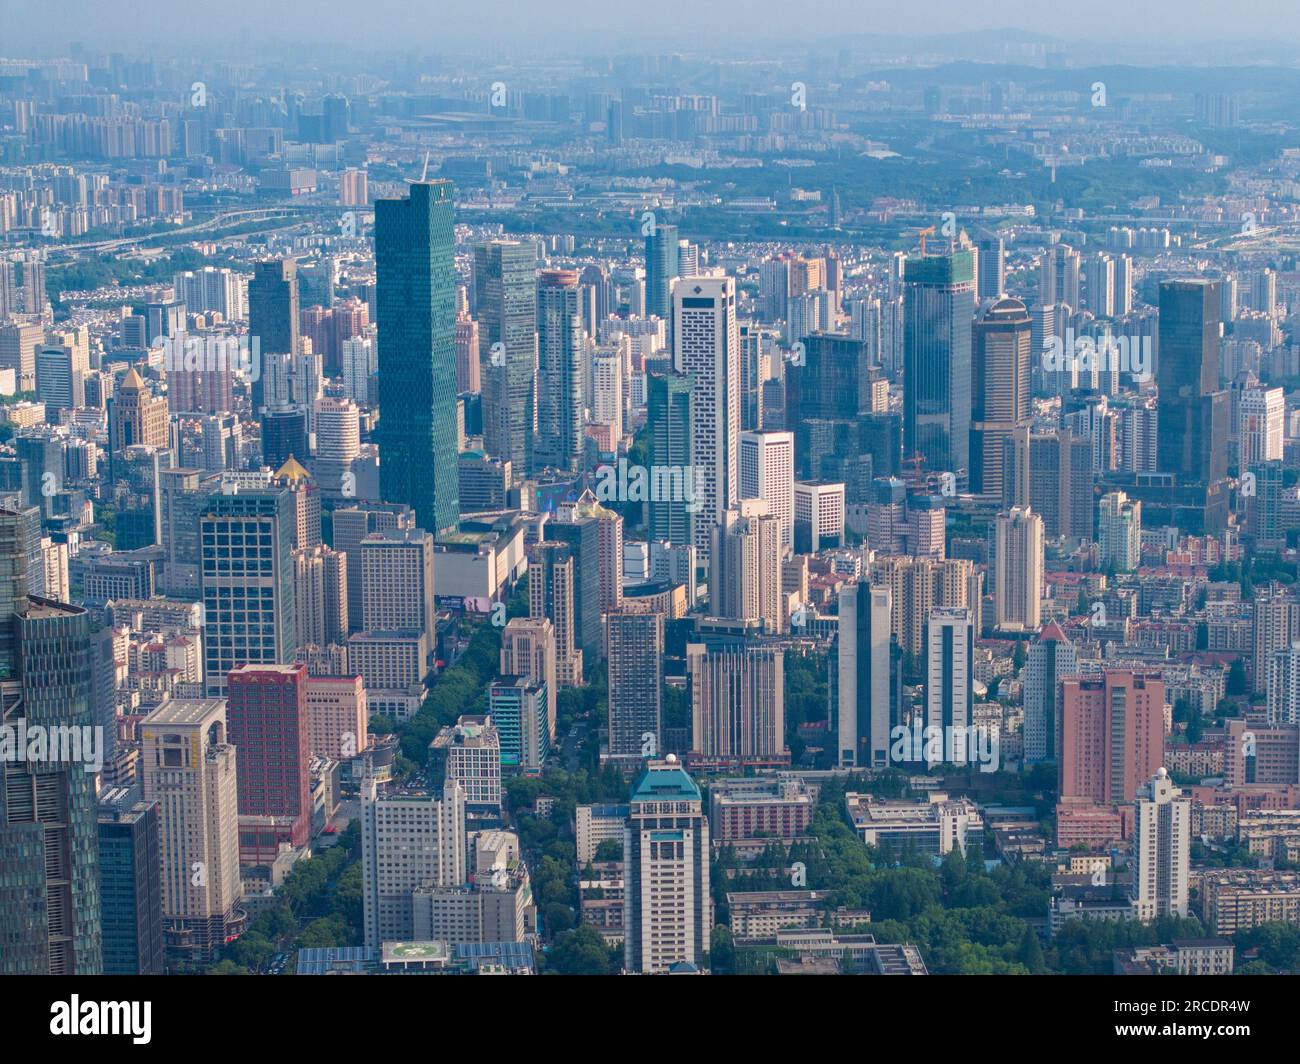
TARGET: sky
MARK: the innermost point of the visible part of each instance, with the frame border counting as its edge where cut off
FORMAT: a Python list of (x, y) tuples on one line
[(439, 26)]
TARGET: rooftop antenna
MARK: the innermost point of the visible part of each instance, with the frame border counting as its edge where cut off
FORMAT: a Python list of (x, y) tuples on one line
[(424, 176)]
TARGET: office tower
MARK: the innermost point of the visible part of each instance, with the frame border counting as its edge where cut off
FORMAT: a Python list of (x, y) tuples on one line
[(1112, 735), (706, 345), (949, 678), (668, 910), (1192, 431), (670, 402), (528, 650), (397, 574), (130, 882), (408, 839), (745, 573), (737, 705), (1266, 527), (360, 364), (468, 369), (767, 473), (246, 582), (1283, 685), (1018, 570), (938, 303), (661, 268), (832, 384), (415, 276), (559, 371), (869, 692), (136, 415), (819, 517), (570, 525), (1051, 658), (50, 920), (991, 277), (919, 585), (61, 371), (273, 318), (337, 717), (18, 347), (304, 502), (1059, 281), (636, 648), (551, 579), (189, 770), (284, 436), (1099, 285), (581, 533), (266, 720), (1000, 392), (351, 526), (338, 445), (1262, 412), (518, 708), (1162, 846), (320, 584), (1119, 532), (469, 753), (505, 288)]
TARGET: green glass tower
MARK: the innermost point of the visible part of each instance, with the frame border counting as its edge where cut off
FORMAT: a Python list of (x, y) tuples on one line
[(416, 312)]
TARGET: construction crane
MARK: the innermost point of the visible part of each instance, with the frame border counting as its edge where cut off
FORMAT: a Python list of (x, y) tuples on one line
[(923, 234)]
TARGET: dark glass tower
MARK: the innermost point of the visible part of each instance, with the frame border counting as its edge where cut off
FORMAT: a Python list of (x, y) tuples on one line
[(416, 312), (505, 297), (660, 268), (272, 316), (938, 304), (49, 853), (670, 401), (559, 378), (130, 872), (1192, 427)]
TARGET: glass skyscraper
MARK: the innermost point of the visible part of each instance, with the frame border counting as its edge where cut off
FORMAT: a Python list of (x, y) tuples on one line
[(416, 312), (938, 305)]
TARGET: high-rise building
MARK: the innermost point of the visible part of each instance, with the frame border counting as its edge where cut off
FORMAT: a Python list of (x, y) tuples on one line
[(1283, 685), (130, 882), (189, 770), (505, 289), (949, 680), (1018, 570), (1051, 658), (581, 532), (991, 277), (551, 579), (668, 910), (50, 915), (1000, 391), (408, 839), (273, 317), (1112, 735), (246, 581), (337, 717), (528, 650), (397, 575), (136, 415), (767, 473), (869, 677), (320, 582), (338, 445), (518, 708), (266, 720), (706, 345), (636, 647), (938, 304), (353, 524), (1119, 532), (559, 371), (737, 705), (1262, 413), (1192, 431), (415, 299), (670, 404), (1162, 846), (745, 577), (1059, 281), (661, 268)]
